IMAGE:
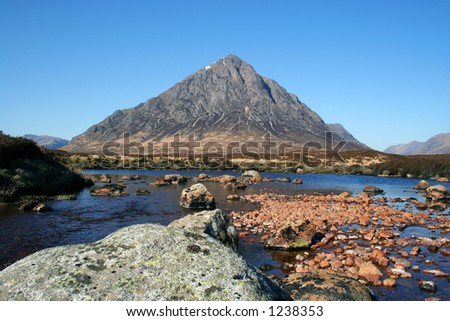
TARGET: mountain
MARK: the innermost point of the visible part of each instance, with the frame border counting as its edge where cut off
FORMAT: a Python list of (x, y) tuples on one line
[(340, 131), (439, 144), (227, 101), (47, 141)]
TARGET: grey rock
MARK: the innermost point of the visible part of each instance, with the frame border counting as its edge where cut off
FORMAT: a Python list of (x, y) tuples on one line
[(437, 188), (140, 262), (197, 197), (428, 286), (255, 175), (214, 223), (325, 286)]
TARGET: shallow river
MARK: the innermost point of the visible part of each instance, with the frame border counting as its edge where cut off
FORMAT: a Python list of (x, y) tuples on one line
[(90, 218)]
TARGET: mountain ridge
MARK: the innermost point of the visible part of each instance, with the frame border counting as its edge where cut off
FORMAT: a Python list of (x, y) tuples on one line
[(47, 141), (438, 144)]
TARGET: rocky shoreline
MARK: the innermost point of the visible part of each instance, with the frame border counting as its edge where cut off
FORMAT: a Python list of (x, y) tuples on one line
[(355, 235)]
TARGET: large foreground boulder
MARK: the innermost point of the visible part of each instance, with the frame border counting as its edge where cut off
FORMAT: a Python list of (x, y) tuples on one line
[(325, 286), (197, 197), (213, 223), (140, 262)]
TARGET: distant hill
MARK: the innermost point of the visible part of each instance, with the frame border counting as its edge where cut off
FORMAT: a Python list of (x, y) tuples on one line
[(339, 130), (439, 144), (49, 142), (226, 101)]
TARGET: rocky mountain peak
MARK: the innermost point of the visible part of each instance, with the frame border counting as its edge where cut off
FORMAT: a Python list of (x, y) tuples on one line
[(225, 101)]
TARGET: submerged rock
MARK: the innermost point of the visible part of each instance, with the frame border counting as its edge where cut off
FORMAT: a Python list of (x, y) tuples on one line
[(142, 191), (104, 179), (372, 189), (325, 286), (428, 286), (225, 179), (214, 223), (140, 262), (108, 190), (175, 179), (297, 181), (197, 197)]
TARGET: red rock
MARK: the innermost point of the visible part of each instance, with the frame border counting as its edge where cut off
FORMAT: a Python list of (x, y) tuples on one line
[(389, 282), (364, 220), (336, 264), (436, 273), (376, 255), (386, 234), (369, 236), (445, 252), (370, 272), (329, 236), (406, 275), (383, 261), (324, 264), (349, 262)]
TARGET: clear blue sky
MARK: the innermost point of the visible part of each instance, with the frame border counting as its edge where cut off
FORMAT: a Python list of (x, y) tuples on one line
[(381, 68)]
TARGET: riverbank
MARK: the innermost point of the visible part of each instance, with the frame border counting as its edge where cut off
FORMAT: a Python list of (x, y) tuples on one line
[(360, 162)]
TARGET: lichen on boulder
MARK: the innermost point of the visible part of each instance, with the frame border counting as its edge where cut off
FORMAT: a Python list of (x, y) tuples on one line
[(140, 262), (214, 223)]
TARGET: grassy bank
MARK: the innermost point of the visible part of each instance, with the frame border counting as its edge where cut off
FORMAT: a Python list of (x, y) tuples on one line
[(367, 162), (26, 169)]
